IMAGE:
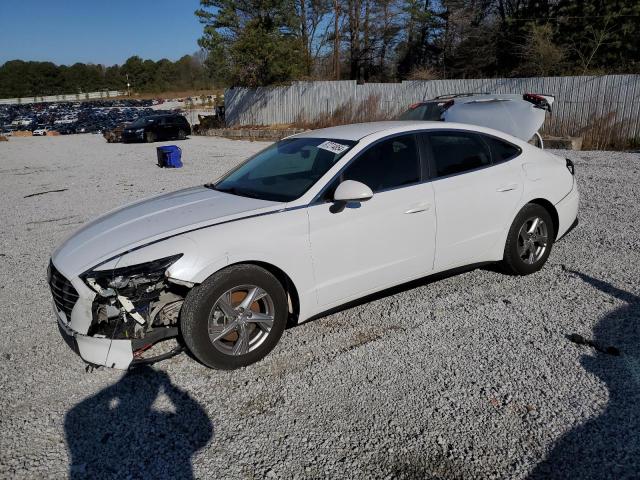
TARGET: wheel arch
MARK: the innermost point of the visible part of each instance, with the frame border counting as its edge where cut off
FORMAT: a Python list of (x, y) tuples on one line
[(549, 207), (285, 281)]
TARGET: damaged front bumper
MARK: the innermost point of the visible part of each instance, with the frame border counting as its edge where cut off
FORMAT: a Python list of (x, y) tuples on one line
[(114, 328), (95, 350)]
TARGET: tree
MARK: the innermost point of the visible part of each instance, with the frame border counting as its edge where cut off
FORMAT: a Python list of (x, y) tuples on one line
[(539, 55), (22, 79), (600, 35), (419, 49), (311, 16), (252, 42)]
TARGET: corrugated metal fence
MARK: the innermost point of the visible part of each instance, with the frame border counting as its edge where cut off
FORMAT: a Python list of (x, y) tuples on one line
[(581, 102), (70, 97)]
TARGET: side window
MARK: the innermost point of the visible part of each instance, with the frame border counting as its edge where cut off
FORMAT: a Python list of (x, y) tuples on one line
[(388, 164), (501, 150), (457, 152)]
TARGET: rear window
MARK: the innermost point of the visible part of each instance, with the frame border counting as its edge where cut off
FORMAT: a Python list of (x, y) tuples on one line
[(177, 120), (422, 111)]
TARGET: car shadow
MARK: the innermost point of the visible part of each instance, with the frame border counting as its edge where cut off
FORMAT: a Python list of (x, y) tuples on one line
[(606, 446), (119, 433)]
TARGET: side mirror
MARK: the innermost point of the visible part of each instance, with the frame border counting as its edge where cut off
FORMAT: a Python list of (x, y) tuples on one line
[(352, 191)]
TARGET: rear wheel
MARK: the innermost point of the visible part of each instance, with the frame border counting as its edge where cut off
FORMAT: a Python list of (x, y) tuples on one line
[(182, 135), (529, 241), (235, 317)]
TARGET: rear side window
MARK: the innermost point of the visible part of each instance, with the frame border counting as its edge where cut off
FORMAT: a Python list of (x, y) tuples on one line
[(457, 152), (501, 151), (388, 164)]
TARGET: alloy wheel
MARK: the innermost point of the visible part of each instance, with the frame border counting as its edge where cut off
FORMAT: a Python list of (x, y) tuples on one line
[(533, 239), (241, 319)]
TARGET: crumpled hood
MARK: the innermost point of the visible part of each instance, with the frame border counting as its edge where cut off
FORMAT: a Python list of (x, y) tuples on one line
[(150, 220)]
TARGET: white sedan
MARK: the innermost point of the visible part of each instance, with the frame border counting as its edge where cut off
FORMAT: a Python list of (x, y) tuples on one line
[(310, 223)]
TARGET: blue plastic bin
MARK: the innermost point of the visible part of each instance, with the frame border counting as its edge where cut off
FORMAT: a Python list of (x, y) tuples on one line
[(169, 156)]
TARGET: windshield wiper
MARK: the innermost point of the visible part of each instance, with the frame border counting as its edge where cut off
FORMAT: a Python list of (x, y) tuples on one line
[(235, 191)]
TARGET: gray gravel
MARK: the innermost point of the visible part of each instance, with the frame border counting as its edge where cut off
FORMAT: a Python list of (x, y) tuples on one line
[(468, 376)]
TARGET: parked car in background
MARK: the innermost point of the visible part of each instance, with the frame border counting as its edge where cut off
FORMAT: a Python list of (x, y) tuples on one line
[(157, 127), (310, 223), (40, 132), (75, 117), (516, 114)]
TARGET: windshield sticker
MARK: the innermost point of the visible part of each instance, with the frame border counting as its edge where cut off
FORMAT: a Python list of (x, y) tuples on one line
[(333, 147)]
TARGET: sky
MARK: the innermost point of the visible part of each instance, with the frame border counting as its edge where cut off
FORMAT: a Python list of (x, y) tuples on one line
[(91, 31)]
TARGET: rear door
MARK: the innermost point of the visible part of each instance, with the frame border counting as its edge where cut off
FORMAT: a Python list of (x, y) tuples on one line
[(475, 194)]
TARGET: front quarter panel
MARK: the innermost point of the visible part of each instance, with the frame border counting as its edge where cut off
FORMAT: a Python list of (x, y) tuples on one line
[(280, 239)]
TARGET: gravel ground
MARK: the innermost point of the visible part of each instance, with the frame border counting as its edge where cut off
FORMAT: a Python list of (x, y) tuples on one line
[(465, 376)]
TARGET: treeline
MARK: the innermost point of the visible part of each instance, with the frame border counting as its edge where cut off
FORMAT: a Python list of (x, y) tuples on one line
[(23, 79), (262, 42), (266, 42)]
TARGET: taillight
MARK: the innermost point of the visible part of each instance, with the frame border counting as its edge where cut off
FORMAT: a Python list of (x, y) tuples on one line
[(414, 106), (570, 166), (538, 101)]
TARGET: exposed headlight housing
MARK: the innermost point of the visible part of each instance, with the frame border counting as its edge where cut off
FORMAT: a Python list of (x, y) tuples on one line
[(131, 276), (140, 130)]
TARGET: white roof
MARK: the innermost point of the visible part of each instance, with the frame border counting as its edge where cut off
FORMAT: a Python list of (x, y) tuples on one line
[(356, 131)]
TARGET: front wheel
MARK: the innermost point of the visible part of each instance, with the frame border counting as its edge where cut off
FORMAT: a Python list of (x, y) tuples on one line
[(529, 241), (150, 137), (235, 317)]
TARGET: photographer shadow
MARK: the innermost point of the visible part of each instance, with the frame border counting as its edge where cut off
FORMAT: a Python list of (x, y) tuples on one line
[(117, 433), (606, 446)]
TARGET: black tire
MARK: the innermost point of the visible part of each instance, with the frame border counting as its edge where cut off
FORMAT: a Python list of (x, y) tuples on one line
[(150, 137), (513, 261), (182, 135), (199, 303)]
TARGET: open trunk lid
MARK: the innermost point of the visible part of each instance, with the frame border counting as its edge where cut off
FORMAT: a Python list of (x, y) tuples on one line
[(518, 115)]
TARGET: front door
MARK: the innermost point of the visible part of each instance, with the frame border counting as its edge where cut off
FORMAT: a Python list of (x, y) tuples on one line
[(389, 239)]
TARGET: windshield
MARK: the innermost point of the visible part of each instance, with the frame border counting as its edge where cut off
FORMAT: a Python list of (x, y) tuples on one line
[(423, 111), (143, 122), (285, 170)]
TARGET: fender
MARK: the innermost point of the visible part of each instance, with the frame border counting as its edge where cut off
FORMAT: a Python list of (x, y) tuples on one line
[(305, 291)]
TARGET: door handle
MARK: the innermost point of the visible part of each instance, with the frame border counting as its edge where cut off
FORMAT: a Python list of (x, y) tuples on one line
[(507, 188), (418, 209)]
